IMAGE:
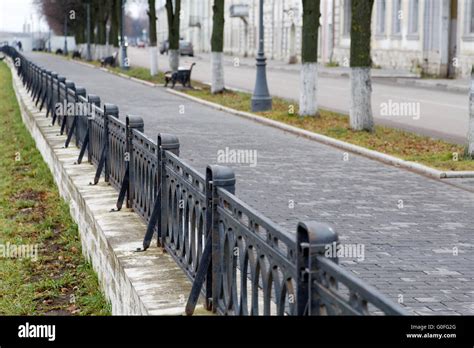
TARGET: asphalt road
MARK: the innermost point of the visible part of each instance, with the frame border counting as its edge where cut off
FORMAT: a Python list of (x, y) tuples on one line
[(442, 114)]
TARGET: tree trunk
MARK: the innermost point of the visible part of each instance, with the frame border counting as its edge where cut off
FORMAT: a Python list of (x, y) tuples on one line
[(470, 135), (153, 39), (217, 47), (174, 59), (102, 29), (173, 13), (309, 68), (114, 23), (361, 87)]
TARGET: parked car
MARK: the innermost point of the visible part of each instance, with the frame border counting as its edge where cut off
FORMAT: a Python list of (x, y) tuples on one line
[(185, 48), (141, 44)]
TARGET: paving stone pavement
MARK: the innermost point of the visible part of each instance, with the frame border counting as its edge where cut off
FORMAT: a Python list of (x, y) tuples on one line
[(418, 232)]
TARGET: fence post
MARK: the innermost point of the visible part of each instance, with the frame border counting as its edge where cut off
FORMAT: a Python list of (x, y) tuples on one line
[(64, 118), (50, 105), (109, 110), (41, 86), (80, 92), (132, 122), (60, 80), (166, 142), (91, 100), (73, 130), (223, 177), (311, 240), (44, 97)]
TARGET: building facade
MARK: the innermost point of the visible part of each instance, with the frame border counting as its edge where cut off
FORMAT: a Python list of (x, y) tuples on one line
[(434, 37)]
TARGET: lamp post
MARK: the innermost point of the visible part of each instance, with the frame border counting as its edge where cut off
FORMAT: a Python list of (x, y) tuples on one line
[(261, 99), (65, 35), (88, 14), (124, 61)]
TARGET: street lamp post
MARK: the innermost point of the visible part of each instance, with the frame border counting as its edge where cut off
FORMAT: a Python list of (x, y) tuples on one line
[(88, 14), (65, 34), (261, 99), (124, 60)]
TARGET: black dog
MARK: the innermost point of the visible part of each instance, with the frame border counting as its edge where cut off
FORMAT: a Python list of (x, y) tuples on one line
[(76, 54), (59, 51), (110, 60), (183, 76)]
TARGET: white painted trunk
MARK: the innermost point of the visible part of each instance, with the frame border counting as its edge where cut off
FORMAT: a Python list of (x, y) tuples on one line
[(93, 51), (361, 100), (100, 51), (174, 59), (153, 61), (217, 78), (309, 89), (470, 135)]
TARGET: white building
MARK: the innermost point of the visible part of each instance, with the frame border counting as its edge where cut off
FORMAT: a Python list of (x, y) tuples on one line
[(435, 37)]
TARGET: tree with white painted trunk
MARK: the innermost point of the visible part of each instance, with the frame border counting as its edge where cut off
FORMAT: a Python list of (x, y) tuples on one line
[(173, 9), (153, 40), (361, 117), (309, 66), (470, 134), (217, 47)]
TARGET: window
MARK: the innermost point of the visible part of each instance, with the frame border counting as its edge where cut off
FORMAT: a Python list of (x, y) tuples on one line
[(346, 29), (413, 19), (397, 15), (381, 14)]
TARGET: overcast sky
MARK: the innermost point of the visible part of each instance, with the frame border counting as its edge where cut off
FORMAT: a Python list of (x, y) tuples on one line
[(14, 14)]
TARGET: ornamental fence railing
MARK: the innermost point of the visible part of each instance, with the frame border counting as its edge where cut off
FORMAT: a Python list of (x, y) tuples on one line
[(239, 261)]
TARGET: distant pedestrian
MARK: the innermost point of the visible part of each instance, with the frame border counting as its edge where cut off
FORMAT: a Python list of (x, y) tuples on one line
[(20, 46)]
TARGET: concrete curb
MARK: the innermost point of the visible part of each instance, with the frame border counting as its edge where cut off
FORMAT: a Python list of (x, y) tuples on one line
[(323, 70), (416, 167), (428, 85)]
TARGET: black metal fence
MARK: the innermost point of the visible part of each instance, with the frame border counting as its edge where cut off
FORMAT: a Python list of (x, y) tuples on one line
[(239, 261)]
